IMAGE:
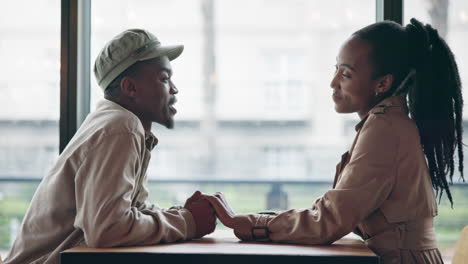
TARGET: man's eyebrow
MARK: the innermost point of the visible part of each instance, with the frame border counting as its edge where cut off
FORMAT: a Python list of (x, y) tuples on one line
[(169, 71), (347, 66)]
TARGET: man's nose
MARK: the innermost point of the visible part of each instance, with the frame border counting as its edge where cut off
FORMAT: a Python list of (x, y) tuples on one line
[(174, 89)]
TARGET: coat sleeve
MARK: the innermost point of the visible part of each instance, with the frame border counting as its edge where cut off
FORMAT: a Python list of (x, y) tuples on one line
[(104, 185), (365, 184)]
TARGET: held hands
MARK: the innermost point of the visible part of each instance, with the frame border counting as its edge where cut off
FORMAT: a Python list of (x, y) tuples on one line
[(203, 214), (246, 226)]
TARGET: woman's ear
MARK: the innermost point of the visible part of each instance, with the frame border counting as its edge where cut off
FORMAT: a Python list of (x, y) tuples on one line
[(384, 84), (128, 87)]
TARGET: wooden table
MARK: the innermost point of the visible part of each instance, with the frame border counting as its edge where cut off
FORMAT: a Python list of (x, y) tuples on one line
[(223, 247)]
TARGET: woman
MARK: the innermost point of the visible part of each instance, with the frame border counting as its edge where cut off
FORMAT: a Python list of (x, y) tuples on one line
[(383, 188)]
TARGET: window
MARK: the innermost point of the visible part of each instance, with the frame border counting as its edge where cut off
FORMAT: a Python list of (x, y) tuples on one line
[(255, 116), (254, 92), (29, 88), (284, 163), (284, 89)]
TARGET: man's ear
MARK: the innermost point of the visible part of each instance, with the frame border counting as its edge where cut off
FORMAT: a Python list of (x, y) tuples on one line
[(384, 84), (128, 87)]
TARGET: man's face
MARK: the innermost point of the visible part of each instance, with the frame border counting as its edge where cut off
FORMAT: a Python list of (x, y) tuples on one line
[(155, 92), (353, 86)]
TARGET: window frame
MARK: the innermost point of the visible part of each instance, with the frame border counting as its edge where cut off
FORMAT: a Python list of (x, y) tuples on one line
[(389, 10), (75, 72)]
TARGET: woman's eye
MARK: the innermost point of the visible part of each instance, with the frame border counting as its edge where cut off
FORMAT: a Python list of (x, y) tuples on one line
[(346, 75)]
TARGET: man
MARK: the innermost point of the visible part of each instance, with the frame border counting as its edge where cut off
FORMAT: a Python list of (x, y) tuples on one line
[(95, 194)]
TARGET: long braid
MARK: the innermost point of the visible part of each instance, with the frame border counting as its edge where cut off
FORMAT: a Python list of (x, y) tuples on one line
[(436, 104)]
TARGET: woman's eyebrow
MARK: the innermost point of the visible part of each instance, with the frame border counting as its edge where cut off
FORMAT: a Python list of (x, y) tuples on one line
[(347, 66)]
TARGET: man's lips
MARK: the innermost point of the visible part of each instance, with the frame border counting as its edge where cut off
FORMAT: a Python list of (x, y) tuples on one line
[(173, 109), (171, 105)]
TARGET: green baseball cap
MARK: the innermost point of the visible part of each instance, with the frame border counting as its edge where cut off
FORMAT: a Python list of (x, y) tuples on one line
[(126, 49)]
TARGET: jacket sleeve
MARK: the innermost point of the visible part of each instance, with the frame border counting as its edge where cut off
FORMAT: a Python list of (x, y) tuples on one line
[(365, 184), (104, 185), (142, 202)]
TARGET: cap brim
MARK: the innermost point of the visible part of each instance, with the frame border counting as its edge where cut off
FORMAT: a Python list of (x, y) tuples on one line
[(172, 52)]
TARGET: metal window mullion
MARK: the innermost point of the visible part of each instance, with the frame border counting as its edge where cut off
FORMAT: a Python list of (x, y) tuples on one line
[(389, 10), (68, 71), (74, 67), (83, 61)]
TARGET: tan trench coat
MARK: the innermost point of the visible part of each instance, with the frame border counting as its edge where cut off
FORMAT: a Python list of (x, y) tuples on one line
[(382, 191)]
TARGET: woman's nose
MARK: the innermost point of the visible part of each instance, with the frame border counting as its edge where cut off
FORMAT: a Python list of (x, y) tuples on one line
[(334, 81)]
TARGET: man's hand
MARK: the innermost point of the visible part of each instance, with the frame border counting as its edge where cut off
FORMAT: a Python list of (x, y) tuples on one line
[(203, 214), (242, 224)]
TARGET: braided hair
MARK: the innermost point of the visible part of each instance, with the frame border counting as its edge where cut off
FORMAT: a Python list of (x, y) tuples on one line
[(423, 68)]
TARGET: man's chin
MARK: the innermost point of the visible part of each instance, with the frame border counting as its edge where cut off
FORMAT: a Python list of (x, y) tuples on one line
[(169, 123)]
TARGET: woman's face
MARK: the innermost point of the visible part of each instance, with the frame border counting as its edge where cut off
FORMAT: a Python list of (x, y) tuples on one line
[(353, 86)]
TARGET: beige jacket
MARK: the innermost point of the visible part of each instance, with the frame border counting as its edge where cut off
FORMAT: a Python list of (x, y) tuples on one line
[(382, 191), (95, 194)]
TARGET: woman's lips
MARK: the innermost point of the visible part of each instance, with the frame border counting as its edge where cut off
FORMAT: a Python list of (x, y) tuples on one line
[(336, 97)]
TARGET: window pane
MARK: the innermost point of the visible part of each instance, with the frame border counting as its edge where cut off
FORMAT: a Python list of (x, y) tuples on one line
[(29, 85), (261, 110), (450, 18)]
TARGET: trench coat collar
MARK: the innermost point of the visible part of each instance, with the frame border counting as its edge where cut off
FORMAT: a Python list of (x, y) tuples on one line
[(397, 102)]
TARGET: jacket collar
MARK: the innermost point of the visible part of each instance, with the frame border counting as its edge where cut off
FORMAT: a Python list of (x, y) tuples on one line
[(150, 139), (393, 102)]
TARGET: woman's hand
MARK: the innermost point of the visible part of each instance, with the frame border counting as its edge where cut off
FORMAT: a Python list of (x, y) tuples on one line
[(224, 212), (243, 224)]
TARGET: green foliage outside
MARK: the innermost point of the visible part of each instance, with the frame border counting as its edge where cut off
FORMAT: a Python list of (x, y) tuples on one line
[(244, 198)]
